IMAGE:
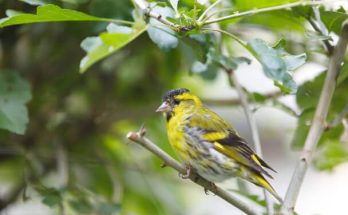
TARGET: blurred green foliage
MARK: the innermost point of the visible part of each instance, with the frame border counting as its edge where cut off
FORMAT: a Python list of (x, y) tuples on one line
[(73, 153)]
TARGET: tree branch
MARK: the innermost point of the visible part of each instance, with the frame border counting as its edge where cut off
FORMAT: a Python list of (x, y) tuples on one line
[(144, 7), (318, 124), (169, 161)]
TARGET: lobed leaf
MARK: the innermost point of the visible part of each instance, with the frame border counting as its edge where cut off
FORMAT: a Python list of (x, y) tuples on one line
[(108, 42), (276, 63)]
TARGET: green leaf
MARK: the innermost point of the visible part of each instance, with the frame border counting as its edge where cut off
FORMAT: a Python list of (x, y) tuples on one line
[(343, 73), (108, 42), (14, 94), (332, 154), (258, 97), (308, 93), (51, 196), (333, 20), (242, 5), (52, 13), (307, 98), (52, 199), (303, 126), (81, 206), (225, 62), (280, 21), (160, 34), (276, 63), (294, 61), (108, 208), (214, 61)]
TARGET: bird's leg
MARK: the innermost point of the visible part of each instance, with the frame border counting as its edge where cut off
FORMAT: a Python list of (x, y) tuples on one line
[(212, 187), (188, 172)]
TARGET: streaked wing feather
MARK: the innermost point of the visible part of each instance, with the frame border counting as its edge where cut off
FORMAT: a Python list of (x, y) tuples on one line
[(236, 148), (226, 140)]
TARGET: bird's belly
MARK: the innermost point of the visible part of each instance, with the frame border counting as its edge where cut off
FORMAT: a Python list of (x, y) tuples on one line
[(207, 162), (214, 168)]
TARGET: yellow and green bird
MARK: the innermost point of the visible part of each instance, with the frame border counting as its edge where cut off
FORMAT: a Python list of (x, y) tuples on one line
[(209, 145)]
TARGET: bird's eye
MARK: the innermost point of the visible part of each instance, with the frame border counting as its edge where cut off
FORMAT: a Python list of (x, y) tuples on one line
[(176, 101)]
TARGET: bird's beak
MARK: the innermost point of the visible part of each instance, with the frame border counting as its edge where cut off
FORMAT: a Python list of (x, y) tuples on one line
[(164, 107)]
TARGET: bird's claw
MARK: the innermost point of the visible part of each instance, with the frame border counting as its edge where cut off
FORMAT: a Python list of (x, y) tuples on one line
[(211, 187), (187, 174)]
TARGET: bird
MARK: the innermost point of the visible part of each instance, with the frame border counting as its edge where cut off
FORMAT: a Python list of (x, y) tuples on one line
[(208, 145)]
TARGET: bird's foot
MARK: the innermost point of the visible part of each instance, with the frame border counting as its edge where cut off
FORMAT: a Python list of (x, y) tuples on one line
[(212, 187), (187, 174)]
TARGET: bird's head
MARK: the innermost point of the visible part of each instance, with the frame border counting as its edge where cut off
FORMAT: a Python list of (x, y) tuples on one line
[(178, 101)]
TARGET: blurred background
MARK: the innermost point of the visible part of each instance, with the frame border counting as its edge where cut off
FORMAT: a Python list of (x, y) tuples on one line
[(74, 157)]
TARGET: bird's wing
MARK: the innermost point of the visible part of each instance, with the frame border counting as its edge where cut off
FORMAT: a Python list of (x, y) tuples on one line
[(226, 140)]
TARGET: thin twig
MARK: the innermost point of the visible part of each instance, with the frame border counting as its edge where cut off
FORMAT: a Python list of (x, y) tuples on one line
[(237, 101), (338, 119), (261, 10), (253, 128), (169, 161), (62, 166), (326, 43), (318, 124), (144, 7)]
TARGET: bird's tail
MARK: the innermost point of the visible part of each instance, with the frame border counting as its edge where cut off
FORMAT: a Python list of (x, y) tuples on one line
[(259, 180)]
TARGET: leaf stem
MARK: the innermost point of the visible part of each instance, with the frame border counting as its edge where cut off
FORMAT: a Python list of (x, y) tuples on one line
[(207, 10), (240, 41), (261, 10), (318, 124), (169, 161), (339, 118)]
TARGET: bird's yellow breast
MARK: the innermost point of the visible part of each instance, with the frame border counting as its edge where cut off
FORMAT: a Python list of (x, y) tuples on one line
[(175, 130)]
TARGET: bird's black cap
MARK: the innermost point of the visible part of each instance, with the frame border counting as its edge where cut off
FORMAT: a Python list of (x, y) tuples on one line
[(171, 93)]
